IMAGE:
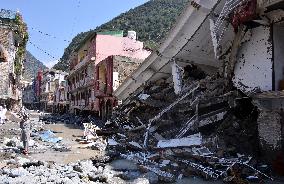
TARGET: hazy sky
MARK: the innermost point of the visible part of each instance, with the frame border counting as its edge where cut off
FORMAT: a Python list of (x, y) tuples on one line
[(62, 20)]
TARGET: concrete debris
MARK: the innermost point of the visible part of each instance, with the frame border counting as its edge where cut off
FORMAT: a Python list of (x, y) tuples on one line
[(112, 142), (192, 125), (90, 129), (61, 147), (14, 142), (22, 161), (193, 140), (70, 119), (98, 145), (203, 151), (143, 96), (79, 172), (189, 134), (135, 145)]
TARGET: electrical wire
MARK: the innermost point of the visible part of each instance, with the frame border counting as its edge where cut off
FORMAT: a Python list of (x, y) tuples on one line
[(49, 35), (44, 51)]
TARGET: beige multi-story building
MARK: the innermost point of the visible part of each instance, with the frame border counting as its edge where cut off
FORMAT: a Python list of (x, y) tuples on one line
[(48, 87), (13, 38), (61, 96), (28, 95)]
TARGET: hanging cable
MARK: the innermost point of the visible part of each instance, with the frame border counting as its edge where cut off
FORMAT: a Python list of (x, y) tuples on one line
[(44, 51), (49, 35), (76, 18)]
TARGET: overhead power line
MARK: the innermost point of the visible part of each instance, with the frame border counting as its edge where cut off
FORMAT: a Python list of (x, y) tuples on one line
[(75, 20), (44, 51), (49, 35)]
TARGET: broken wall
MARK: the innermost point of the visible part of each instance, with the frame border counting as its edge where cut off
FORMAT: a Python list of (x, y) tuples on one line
[(270, 123), (269, 128), (278, 44), (6, 67), (123, 67), (253, 70)]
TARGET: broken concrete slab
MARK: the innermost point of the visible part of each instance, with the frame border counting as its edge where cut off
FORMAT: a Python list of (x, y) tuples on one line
[(193, 140), (112, 142), (135, 145)]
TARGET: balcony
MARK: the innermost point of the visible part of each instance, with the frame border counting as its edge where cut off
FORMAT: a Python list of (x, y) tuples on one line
[(81, 104), (80, 64), (104, 89), (88, 81)]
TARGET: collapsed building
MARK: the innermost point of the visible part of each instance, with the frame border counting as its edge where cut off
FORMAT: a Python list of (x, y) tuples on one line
[(13, 39), (219, 73)]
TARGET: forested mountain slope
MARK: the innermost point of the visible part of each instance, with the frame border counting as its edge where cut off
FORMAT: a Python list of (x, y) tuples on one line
[(151, 21)]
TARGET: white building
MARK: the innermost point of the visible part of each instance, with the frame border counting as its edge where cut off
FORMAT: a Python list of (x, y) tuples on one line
[(48, 87), (28, 95), (61, 97)]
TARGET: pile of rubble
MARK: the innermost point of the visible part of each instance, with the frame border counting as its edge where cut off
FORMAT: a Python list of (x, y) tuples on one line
[(197, 132), (19, 170), (69, 119)]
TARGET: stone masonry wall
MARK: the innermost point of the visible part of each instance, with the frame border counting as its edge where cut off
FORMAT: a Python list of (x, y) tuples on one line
[(124, 69), (4, 66), (269, 128)]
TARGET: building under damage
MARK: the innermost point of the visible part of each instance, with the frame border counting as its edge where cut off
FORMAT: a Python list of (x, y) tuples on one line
[(97, 66), (28, 95), (13, 38), (219, 72), (49, 84)]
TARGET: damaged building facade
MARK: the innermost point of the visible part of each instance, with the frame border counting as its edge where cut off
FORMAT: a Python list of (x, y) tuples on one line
[(224, 62), (13, 38), (259, 71), (96, 66), (47, 84), (61, 96), (28, 95)]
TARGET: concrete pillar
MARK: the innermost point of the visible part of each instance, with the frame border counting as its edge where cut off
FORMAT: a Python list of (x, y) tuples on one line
[(269, 129), (270, 126)]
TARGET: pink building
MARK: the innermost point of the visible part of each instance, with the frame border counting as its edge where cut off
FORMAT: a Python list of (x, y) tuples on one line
[(107, 45), (91, 65)]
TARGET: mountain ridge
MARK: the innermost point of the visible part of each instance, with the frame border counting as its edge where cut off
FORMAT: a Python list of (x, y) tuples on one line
[(151, 21), (31, 66)]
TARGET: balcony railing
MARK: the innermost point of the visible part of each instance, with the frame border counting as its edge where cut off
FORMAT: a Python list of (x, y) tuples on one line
[(83, 83), (80, 64), (82, 104)]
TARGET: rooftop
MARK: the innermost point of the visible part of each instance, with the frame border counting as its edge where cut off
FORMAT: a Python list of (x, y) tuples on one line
[(93, 34)]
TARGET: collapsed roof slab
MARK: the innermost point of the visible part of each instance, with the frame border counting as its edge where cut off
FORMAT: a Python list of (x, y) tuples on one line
[(188, 28)]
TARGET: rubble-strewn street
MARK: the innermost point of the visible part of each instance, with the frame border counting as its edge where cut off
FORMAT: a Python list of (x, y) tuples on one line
[(183, 91), (66, 161), (122, 160)]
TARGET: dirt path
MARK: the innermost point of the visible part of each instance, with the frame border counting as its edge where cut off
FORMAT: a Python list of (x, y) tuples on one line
[(69, 134)]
